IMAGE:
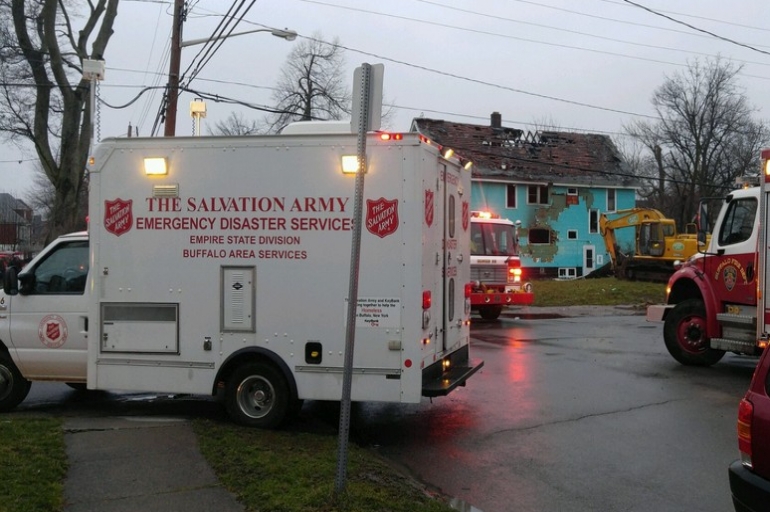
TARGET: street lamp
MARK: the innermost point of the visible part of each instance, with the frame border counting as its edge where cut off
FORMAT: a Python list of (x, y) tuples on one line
[(176, 57), (289, 35)]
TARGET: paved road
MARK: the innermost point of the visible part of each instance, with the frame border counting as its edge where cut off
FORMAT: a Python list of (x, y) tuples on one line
[(573, 414)]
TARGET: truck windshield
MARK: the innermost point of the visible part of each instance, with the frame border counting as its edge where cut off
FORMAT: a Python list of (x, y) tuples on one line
[(490, 239), (739, 221)]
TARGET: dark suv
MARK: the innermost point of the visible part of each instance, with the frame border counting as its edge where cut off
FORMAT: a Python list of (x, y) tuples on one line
[(750, 476)]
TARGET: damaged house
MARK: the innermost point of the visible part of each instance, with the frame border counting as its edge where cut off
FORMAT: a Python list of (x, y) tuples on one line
[(556, 183)]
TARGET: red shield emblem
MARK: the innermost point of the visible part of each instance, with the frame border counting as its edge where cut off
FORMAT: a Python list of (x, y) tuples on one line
[(466, 215), (52, 331), (382, 216), (429, 207), (118, 218)]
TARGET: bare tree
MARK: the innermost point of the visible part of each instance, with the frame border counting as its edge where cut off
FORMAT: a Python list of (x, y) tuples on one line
[(704, 137), (236, 124), (44, 99), (312, 85)]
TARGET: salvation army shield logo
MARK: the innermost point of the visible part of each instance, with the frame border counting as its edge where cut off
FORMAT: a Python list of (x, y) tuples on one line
[(52, 331), (382, 216), (466, 215), (429, 207), (118, 218)]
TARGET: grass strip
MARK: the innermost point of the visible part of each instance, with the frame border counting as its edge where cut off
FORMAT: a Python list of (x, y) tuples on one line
[(282, 471), (33, 464), (603, 291)]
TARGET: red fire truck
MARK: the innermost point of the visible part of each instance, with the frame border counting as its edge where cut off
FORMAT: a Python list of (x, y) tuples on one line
[(497, 279), (716, 301)]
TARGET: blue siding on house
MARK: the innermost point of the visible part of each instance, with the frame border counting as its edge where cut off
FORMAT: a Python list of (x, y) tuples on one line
[(562, 214)]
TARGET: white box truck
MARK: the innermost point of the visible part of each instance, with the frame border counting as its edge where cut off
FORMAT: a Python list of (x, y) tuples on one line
[(220, 266)]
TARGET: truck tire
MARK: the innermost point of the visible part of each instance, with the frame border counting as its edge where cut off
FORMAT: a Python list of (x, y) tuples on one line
[(685, 335), (490, 312), (13, 386), (257, 395)]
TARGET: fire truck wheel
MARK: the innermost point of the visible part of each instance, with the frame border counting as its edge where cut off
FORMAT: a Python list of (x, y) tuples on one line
[(257, 395), (490, 312), (13, 387), (685, 334)]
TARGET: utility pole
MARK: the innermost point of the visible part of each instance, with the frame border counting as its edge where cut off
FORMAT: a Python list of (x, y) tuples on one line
[(172, 93)]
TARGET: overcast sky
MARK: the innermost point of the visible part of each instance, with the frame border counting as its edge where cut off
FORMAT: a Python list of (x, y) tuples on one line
[(590, 66)]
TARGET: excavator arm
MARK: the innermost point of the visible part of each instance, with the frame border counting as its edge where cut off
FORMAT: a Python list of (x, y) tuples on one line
[(630, 217)]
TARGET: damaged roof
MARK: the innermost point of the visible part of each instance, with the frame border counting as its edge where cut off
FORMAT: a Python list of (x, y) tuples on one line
[(509, 154)]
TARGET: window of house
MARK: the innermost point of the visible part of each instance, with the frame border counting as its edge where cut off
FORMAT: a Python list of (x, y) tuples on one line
[(537, 194), (572, 234), (572, 196), (593, 221), (539, 236), (510, 196), (611, 206)]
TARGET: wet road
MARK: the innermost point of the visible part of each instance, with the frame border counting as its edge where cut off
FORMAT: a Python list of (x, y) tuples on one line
[(572, 414), (568, 414)]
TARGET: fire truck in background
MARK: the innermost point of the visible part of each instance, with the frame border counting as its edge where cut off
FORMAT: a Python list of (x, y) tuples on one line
[(497, 279), (716, 302)]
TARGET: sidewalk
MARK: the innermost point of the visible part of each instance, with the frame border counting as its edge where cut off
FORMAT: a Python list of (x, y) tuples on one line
[(123, 464)]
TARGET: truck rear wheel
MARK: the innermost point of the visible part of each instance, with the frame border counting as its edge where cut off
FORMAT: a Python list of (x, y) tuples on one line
[(685, 335), (257, 395), (13, 386), (490, 312)]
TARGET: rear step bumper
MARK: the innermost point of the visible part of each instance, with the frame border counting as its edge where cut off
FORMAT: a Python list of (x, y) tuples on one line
[(436, 382)]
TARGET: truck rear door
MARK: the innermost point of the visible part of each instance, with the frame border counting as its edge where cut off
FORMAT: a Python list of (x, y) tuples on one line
[(455, 210)]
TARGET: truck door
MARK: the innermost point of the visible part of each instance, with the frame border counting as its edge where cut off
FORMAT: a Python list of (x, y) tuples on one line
[(456, 270), (733, 267), (48, 318)]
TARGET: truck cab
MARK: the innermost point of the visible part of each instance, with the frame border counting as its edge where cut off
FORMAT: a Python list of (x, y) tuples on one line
[(497, 278), (711, 305), (44, 316)]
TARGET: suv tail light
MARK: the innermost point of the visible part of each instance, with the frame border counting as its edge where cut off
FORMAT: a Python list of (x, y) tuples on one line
[(745, 417)]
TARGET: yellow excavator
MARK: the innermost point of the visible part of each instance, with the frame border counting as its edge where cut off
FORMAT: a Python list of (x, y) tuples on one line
[(657, 244)]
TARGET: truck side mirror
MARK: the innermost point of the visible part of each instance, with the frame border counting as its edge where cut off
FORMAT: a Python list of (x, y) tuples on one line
[(26, 283), (10, 281), (701, 238)]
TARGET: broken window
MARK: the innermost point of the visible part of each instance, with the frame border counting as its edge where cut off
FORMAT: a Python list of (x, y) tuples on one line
[(539, 236)]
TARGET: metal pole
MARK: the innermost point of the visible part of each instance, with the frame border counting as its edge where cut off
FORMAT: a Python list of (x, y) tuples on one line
[(92, 106), (172, 94), (355, 254)]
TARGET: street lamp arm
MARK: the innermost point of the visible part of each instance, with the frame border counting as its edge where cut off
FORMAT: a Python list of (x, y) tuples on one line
[(289, 35)]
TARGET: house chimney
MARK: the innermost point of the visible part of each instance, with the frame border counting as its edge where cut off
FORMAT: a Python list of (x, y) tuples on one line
[(497, 120)]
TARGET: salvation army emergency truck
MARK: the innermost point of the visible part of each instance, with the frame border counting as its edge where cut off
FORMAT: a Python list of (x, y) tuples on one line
[(221, 266)]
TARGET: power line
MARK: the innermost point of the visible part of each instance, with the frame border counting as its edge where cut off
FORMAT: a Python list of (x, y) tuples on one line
[(489, 84), (656, 13), (569, 31), (725, 22), (545, 43)]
